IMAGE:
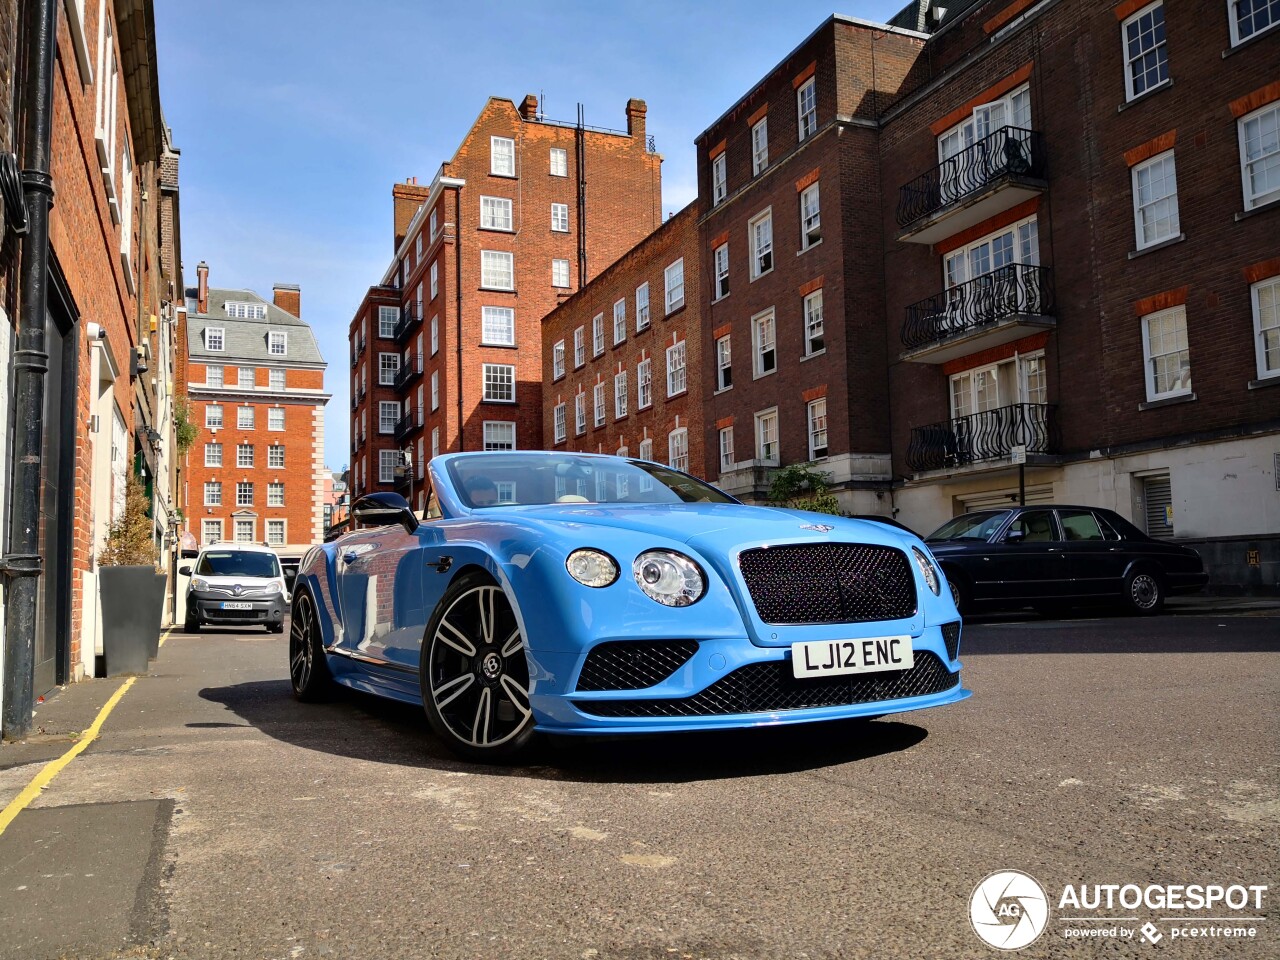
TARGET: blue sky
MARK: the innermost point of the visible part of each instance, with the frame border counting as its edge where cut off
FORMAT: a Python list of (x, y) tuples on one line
[(295, 118)]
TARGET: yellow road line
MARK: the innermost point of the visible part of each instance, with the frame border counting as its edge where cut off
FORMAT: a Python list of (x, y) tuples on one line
[(165, 636)]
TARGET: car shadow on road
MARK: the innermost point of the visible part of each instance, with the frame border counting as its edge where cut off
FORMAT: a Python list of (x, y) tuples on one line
[(363, 727)]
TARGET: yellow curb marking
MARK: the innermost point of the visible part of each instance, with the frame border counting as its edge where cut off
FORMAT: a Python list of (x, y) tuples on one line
[(54, 767)]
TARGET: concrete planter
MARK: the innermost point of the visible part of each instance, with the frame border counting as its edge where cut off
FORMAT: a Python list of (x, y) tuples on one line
[(132, 607)]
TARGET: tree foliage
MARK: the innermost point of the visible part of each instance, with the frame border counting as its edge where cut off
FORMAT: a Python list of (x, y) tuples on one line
[(184, 430), (130, 538), (802, 488)]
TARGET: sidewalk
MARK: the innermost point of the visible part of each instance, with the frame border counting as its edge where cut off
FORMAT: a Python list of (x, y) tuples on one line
[(1208, 605)]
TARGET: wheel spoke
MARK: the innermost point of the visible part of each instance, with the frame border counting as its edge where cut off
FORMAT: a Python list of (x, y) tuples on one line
[(486, 604), (517, 694), (480, 727), (513, 643), (446, 693), (453, 637)]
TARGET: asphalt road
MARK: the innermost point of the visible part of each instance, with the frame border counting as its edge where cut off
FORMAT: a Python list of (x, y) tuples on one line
[(216, 817)]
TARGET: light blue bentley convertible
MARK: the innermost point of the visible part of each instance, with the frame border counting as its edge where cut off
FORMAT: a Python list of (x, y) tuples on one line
[(579, 594)]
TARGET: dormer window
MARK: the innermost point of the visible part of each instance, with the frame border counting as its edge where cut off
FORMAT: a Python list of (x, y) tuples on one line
[(245, 310), (215, 338), (277, 343)]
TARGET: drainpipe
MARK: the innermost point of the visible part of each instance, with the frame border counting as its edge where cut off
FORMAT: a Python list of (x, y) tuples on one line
[(457, 294), (21, 563)]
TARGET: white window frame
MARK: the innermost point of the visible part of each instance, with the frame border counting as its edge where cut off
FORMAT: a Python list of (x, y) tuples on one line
[(275, 456), (816, 420), (1155, 214), (557, 417), (215, 339), (274, 539), (814, 325), (677, 371), (766, 426), (644, 384), (434, 271), (760, 243), (497, 270), (247, 377), (388, 416), (499, 378), (212, 379), (388, 367), (213, 493), (719, 179), (557, 360), (764, 344), (276, 379), (213, 416), (245, 459), (495, 214), (1161, 49), (1268, 289), (244, 529), (434, 224), (278, 343), (642, 306), (724, 363), (244, 493), (388, 460), (494, 435), (560, 274), (580, 413), (673, 278), (807, 109), (210, 525), (388, 317), (621, 392), (678, 449), (1269, 160), (502, 157), (275, 493), (579, 348), (275, 418), (810, 216), (597, 404), (213, 454), (760, 146), (727, 461), (720, 272), (1233, 17), (559, 161), (1150, 359), (246, 418), (497, 326), (435, 335), (619, 321), (597, 335), (559, 218)]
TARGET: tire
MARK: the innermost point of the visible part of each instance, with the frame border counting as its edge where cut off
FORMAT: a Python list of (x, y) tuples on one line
[(308, 669), (959, 592), (191, 626), (474, 674), (275, 628), (1144, 592)]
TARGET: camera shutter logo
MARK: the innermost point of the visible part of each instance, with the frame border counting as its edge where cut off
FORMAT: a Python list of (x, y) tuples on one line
[(1009, 910)]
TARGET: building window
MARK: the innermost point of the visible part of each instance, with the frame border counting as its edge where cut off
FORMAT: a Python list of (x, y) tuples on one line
[(580, 413), (810, 217), (1164, 350), (760, 235), (434, 224), (597, 334), (818, 428), (244, 530), (387, 462), (495, 213), (760, 147), (244, 454), (813, 328), (277, 343), (417, 246), (558, 417), (557, 360), (560, 217), (246, 377), (678, 448), (720, 259), (726, 449), (275, 418), (619, 321), (1266, 325), (435, 335), (724, 364), (502, 156), (243, 310), (245, 418), (499, 382), (387, 317), (213, 416), (646, 453), (497, 326), (213, 493), (499, 435), (275, 493), (559, 162), (598, 401), (244, 494), (275, 379), (435, 441), (435, 393), (719, 180), (644, 384), (1155, 200), (388, 367), (388, 414), (1260, 155), (675, 369), (807, 108), (767, 435), (1146, 57), (213, 377), (579, 348), (213, 454), (642, 306), (497, 269), (620, 392), (764, 337), (1250, 17), (210, 531), (215, 338), (275, 456), (560, 273), (435, 284), (674, 276), (275, 533)]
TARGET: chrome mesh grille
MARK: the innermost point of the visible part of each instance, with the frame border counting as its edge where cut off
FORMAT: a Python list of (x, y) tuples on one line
[(829, 583), (951, 637), (634, 664)]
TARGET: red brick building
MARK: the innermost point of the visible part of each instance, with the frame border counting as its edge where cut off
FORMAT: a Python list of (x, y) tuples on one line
[(616, 355), (446, 351), (254, 378)]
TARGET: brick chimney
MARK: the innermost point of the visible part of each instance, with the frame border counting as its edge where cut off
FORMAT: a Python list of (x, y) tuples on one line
[(407, 197), (288, 297), (636, 110), (202, 287), (529, 107)]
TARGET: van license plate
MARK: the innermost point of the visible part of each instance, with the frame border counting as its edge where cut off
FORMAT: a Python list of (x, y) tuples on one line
[(233, 605)]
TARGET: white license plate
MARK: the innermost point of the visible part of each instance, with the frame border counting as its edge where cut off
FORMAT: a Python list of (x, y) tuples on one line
[(233, 605), (829, 658)]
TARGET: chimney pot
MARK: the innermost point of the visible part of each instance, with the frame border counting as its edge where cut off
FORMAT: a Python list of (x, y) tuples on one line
[(202, 287), (529, 107), (288, 297), (636, 110)]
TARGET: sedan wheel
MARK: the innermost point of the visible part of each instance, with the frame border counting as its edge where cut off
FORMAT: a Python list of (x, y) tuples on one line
[(1143, 592), (474, 675), (308, 670)]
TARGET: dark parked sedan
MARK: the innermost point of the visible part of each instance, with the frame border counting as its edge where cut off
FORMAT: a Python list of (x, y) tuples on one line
[(1051, 557)]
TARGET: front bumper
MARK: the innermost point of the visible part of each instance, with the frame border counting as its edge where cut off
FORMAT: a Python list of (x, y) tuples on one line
[(260, 611)]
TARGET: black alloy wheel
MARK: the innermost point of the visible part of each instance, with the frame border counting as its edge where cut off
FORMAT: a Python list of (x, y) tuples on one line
[(308, 670)]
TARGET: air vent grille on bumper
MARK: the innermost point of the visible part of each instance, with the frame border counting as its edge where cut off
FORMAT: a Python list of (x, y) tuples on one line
[(829, 583), (951, 637), (634, 664), (766, 687)]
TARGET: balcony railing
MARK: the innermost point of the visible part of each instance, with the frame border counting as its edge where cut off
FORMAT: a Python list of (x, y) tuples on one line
[(409, 371), (409, 320), (986, 436), (406, 425), (1012, 291), (1007, 153)]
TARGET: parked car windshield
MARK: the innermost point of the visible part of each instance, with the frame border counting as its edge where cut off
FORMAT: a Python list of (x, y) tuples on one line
[(237, 563), (505, 480), (971, 526)]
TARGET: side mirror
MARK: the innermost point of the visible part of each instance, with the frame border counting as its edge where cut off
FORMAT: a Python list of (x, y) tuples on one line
[(384, 508), (185, 571), (1015, 535)]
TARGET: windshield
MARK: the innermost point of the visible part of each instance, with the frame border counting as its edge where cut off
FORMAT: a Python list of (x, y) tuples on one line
[(972, 526), (237, 563), (503, 480)]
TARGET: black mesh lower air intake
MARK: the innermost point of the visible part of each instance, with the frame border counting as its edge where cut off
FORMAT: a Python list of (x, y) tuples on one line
[(951, 637), (634, 664), (766, 687), (829, 583)]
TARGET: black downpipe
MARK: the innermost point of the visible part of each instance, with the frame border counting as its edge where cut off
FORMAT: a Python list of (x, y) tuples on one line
[(22, 564), (580, 148), (457, 308)]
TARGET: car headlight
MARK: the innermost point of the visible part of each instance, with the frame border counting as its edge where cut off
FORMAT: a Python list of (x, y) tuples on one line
[(670, 578), (592, 568), (928, 571), (198, 584), (272, 588)]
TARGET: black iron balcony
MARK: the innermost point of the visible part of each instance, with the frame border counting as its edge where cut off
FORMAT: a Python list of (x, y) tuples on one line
[(984, 437), (357, 441), (355, 400), (406, 425), (409, 371), (409, 321), (998, 307), (996, 173), (404, 478)]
